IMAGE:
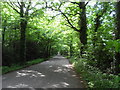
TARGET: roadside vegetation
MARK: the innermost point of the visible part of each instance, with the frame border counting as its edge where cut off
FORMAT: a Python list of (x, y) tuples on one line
[(93, 76), (86, 32), (14, 67)]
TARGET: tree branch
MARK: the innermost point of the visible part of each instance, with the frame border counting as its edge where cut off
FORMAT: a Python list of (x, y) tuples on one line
[(27, 9), (87, 3), (18, 3), (56, 15), (11, 5), (69, 21), (75, 3), (97, 19), (64, 16)]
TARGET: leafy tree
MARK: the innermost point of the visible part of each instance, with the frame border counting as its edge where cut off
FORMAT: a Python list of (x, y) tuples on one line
[(80, 12), (23, 9)]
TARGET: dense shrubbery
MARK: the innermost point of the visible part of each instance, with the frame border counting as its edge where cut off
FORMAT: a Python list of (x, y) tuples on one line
[(9, 56), (99, 57), (94, 77), (34, 50)]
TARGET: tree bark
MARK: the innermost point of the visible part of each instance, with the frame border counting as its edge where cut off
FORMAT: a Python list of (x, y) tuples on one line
[(71, 50), (83, 26), (3, 33), (117, 54), (23, 25)]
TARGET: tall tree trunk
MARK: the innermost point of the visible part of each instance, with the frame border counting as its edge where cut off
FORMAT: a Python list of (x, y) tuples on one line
[(23, 25), (70, 50), (3, 33), (83, 26), (70, 45), (117, 54)]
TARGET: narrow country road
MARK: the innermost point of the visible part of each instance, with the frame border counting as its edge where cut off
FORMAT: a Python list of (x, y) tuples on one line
[(54, 73)]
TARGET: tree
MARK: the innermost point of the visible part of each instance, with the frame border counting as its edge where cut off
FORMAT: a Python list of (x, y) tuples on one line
[(23, 9), (98, 20), (117, 37), (81, 26)]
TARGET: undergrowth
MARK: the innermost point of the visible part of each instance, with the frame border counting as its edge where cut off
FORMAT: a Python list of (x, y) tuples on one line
[(93, 76), (6, 69)]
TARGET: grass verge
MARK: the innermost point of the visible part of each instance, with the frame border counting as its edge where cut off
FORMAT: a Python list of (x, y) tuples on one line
[(94, 77), (6, 69)]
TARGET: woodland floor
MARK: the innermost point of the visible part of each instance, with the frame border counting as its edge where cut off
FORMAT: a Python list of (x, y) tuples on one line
[(54, 73)]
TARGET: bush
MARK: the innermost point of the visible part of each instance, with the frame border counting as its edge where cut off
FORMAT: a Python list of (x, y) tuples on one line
[(94, 77), (9, 57), (34, 50)]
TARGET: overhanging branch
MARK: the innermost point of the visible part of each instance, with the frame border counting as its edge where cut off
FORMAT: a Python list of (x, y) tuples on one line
[(67, 19), (11, 5)]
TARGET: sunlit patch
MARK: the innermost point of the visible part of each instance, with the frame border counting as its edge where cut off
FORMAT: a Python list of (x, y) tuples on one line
[(61, 84), (21, 85), (81, 81), (18, 86), (47, 61), (58, 70), (21, 74), (64, 84), (50, 66), (74, 75), (42, 75), (80, 77), (68, 66), (30, 73), (55, 85), (61, 70)]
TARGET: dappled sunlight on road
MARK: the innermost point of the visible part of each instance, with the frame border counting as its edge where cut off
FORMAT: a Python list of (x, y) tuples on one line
[(68, 66), (74, 75), (61, 84), (21, 85), (50, 66), (47, 61), (55, 73), (58, 57), (61, 70), (30, 73)]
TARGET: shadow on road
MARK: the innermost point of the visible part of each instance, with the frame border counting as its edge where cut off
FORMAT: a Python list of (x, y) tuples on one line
[(55, 73)]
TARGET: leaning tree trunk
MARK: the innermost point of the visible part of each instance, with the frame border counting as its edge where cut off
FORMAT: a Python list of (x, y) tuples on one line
[(117, 54), (83, 27)]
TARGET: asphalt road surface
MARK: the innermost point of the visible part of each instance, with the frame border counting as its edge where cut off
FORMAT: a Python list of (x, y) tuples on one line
[(54, 73)]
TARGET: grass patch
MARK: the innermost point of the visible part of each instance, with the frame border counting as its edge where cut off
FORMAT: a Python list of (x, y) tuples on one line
[(94, 77), (36, 61), (6, 69)]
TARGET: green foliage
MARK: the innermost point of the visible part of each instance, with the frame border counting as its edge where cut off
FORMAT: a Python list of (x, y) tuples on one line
[(6, 69), (94, 77), (114, 44), (46, 35), (35, 61)]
